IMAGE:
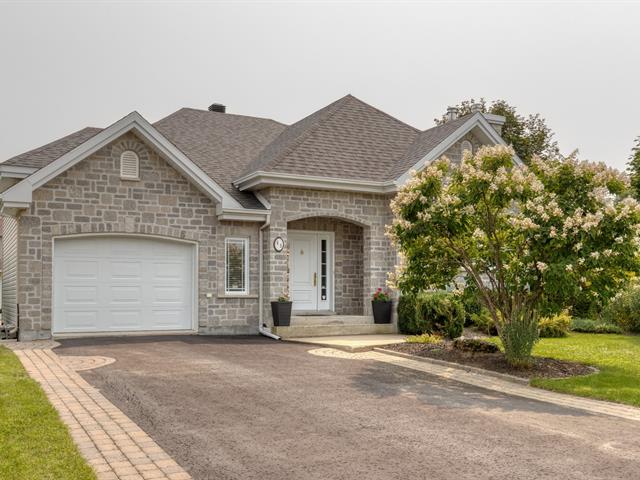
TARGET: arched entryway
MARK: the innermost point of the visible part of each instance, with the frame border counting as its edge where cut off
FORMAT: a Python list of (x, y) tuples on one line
[(326, 265)]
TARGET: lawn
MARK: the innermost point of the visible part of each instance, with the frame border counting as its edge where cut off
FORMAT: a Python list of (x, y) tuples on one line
[(616, 356), (34, 443)]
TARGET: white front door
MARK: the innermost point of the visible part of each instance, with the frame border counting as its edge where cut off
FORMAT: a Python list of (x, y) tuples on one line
[(311, 270)]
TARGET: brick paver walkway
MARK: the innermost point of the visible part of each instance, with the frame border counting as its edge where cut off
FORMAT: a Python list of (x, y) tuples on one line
[(112, 444)]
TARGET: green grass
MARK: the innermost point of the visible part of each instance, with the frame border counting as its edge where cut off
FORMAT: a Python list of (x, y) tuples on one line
[(616, 356), (34, 443)]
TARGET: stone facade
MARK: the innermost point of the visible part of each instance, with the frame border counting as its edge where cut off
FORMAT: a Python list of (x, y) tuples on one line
[(348, 260), (91, 198), (369, 212), (454, 152)]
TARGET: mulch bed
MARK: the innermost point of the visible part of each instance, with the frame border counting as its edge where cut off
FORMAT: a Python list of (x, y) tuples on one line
[(496, 362)]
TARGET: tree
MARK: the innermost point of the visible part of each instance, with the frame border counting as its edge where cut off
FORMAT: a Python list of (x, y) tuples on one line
[(530, 136), (634, 169), (557, 228)]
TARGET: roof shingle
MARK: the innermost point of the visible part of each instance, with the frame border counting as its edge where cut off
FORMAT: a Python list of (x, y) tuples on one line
[(44, 155), (346, 139), (222, 144)]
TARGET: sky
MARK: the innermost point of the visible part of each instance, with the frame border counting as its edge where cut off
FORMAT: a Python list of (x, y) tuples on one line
[(67, 65)]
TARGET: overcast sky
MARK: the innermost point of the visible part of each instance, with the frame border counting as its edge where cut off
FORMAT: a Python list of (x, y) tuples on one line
[(67, 65)]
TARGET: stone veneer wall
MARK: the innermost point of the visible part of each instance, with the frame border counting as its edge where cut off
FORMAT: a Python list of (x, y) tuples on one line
[(348, 260), (369, 211), (91, 198), (454, 152)]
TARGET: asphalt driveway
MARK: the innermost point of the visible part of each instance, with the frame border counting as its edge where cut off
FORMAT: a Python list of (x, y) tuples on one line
[(253, 408)]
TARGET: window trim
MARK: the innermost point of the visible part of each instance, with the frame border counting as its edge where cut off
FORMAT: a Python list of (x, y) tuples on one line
[(245, 242)]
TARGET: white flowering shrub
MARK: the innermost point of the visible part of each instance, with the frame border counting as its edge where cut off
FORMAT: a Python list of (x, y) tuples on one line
[(553, 232)]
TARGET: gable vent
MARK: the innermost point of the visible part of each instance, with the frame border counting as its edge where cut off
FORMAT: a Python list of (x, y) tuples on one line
[(129, 165)]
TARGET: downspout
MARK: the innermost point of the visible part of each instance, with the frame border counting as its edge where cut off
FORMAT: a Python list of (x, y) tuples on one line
[(262, 327)]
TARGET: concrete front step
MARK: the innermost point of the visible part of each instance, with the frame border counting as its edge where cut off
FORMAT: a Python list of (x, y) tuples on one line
[(307, 320), (300, 331)]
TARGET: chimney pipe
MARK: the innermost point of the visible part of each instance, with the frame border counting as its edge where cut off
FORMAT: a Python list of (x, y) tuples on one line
[(476, 107), (217, 107), (452, 113)]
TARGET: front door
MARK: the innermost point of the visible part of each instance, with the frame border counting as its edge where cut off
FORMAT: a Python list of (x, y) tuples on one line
[(311, 270)]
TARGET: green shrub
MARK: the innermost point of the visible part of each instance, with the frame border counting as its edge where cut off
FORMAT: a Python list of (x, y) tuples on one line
[(518, 337), (407, 315), (440, 312), (587, 325), (624, 309), (555, 326), (431, 312), (425, 338), (484, 322), (475, 345), (471, 302)]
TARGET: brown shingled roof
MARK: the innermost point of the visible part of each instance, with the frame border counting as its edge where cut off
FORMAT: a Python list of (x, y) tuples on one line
[(222, 144), (42, 156), (346, 139)]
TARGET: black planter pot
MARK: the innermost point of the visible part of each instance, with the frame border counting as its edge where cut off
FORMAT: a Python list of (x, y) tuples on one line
[(381, 312), (281, 312)]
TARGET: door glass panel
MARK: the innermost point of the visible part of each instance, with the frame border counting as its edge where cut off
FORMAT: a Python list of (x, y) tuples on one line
[(323, 269)]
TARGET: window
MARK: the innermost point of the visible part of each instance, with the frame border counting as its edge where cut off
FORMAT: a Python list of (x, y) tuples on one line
[(466, 145), (129, 165), (236, 265)]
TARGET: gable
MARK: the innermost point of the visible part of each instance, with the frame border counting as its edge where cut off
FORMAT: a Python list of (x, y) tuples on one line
[(20, 195), (97, 181)]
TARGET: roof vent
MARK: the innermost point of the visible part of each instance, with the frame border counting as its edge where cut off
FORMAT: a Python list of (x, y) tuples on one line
[(217, 107), (452, 113)]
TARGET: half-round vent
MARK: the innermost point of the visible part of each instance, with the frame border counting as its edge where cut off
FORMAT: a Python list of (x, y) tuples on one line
[(466, 145), (129, 165)]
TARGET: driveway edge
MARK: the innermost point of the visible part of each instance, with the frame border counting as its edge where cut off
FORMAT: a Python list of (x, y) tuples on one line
[(114, 446), (501, 385), (466, 368)]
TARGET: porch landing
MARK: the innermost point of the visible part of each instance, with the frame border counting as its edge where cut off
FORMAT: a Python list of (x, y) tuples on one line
[(352, 343), (303, 326)]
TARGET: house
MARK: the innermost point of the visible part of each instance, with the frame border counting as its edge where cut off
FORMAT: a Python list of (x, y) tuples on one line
[(179, 226)]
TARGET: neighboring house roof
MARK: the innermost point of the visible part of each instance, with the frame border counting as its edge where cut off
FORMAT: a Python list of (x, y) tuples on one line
[(346, 139), (222, 144), (44, 155)]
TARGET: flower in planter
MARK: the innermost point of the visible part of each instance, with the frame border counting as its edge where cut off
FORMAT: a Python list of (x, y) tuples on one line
[(380, 296), (283, 298)]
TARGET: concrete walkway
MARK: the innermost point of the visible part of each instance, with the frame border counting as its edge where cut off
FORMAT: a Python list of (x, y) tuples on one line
[(112, 444), (352, 343)]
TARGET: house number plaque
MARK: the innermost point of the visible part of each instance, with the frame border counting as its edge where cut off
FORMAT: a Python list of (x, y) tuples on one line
[(278, 244)]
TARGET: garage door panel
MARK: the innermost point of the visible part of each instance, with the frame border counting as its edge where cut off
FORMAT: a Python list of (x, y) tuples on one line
[(126, 294), (168, 295), (121, 270), (80, 269), (119, 320), (82, 321), (128, 283), (123, 248), (166, 318), (80, 295), (169, 271)]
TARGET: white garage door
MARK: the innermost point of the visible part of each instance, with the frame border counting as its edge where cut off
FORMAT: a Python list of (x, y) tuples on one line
[(119, 284)]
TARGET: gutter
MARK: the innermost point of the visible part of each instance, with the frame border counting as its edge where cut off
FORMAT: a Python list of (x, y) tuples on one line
[(262, 327)]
